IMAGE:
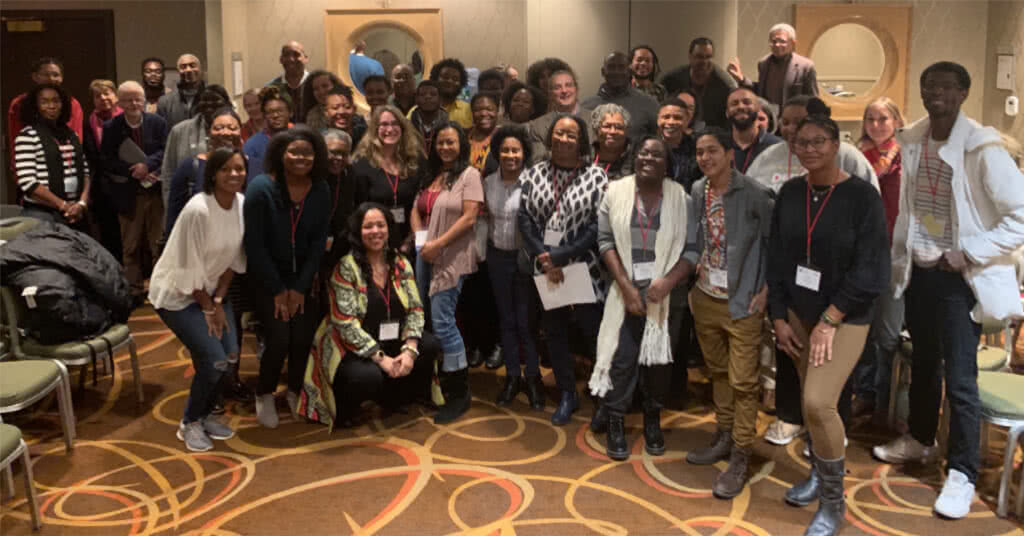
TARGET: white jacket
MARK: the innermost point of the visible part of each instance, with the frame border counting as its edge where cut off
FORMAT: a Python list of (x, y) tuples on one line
[(988, 213)]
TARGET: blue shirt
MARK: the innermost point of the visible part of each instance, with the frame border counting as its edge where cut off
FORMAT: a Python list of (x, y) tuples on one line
[(255, 147), (360, 67)]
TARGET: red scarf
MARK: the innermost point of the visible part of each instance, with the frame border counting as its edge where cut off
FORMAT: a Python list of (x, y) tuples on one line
[(881, 158), (96, 122)]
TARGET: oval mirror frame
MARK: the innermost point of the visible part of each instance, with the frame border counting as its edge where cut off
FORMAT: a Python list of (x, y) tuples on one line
[(889, 23)]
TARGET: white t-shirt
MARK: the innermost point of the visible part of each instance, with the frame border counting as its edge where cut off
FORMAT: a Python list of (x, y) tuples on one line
[(205, 242)]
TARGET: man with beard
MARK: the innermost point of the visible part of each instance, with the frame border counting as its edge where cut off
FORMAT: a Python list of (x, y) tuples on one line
[(741, 109), (643, 65), (616, 89), (177, 105), (450, 76), (709, 82), (783, 73), (293, 60), (403, 87), (153, 82)]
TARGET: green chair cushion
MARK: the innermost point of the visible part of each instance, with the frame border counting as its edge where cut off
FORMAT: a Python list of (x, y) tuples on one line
[(991, 358), (13, 227), (21, 380), (1001, 394), (10, 438), (907, 348), (70, 351)]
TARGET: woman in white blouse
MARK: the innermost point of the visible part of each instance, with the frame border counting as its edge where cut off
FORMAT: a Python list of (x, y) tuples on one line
[(190, 281)]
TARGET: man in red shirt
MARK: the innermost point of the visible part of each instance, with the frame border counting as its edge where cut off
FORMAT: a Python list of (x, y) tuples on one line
[(44, 70)]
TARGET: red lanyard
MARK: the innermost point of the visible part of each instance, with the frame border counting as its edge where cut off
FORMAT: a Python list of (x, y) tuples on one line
[(394, 187), (746, 161), (644, 229), (812, 224), (295, 225), (387, 297), (606, 167), (714, 238), (932, 185)]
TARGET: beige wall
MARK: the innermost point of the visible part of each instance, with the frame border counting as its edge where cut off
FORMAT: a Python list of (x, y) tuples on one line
[(1005, 36), (142, 29), (669, 26), (837, 66)]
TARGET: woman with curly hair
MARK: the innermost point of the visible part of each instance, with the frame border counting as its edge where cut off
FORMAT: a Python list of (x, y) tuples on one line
[(388, 168), (523, 103), (314, 98)]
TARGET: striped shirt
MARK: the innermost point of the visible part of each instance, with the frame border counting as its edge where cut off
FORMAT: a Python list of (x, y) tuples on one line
[(643, 234), (932, 206), (30, 165)]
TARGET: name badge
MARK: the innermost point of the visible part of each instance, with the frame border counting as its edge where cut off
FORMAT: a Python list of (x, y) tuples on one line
[(643, 271), (421, 239), (807, 277), (398, 214), (718, 278), (389, 331), (330, 242), (935, 226), (552, 238)]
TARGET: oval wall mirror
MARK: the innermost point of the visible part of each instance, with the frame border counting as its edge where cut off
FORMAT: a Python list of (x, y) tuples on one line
[(841, 73)]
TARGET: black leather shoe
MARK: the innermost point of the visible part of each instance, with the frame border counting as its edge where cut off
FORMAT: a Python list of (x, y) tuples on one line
[(654, 439), (495, 360), (513, 384), (475, 358), (599, 422), (534, 388), (617, 448), (566, 407)]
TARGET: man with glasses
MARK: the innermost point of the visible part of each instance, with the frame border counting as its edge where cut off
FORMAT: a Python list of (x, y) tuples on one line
[(277, 111), (781, 74), (153, 82), (964, 217), (177, 105), (704, 79)]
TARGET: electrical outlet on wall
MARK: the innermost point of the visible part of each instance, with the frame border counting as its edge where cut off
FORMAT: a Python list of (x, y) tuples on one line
[(1004, 72)]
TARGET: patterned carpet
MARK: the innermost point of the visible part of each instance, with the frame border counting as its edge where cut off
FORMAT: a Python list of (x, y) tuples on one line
[(495, 471)]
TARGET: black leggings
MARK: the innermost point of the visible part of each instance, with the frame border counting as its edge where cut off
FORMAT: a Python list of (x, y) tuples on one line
[(358, 380), (285, 340)]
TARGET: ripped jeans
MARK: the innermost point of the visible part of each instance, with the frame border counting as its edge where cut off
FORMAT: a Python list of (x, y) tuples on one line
[(210, 356)]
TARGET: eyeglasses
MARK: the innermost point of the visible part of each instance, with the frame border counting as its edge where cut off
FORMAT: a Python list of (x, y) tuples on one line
[(275, 111), (389, 124), (816, 143), (337, 154)]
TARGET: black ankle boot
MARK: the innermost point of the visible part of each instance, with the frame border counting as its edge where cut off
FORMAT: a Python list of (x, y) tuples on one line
[(599, 422), (513, 384), (233, 387), (617, 448), (806, 492), (654, 440), (535, 392), (831, 505), (566, 407), (455, 386)]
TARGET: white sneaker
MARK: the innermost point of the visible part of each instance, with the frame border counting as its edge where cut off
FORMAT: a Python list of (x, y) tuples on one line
[(903, 449), (265, 410), (957, 495), (293, 403), (807, 447), (781, 432)]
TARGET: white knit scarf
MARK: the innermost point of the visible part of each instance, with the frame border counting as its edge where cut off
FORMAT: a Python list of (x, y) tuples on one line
[(655, 348)]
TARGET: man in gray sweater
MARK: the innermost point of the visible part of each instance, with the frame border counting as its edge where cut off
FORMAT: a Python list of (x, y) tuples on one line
[(176, 106), (617, 89)]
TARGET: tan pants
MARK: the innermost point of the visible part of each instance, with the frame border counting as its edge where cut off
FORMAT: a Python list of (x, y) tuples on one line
[(821, 386), (731, 350), (141, 230)]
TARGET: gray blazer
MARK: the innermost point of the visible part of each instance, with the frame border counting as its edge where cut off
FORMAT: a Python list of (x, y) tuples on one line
[(748, 222), (801, 77)]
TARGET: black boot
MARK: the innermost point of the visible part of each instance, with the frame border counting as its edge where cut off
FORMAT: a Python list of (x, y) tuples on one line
[(566, 407), (495, 359), (720, 449), (654, 440), (535, 392), (599, 422), (513, 384), (617, 448), (455, 386), (233, 387), (806, 492), (832, 505), (475, 358)]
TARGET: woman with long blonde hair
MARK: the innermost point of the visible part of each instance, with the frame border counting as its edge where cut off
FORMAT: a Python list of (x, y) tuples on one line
[(388, 168)]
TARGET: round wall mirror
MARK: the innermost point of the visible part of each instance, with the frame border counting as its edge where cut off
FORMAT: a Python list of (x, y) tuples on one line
[(849, 60), (391, 46)]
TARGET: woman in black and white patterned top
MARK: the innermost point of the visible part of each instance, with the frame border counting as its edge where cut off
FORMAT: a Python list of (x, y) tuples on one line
[(48, 159), (558, 224)]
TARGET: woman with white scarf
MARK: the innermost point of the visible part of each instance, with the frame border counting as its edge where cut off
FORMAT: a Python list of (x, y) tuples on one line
[(642, 226)]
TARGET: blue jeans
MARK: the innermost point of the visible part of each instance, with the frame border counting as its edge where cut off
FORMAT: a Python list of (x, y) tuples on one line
[(945, 345), (512, 292), (874, 370), (424, 272), (442, 314), (210, 355)]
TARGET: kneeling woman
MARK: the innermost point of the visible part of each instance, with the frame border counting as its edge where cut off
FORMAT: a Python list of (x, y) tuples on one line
[(372, 345), (189, 283), (641, 232)]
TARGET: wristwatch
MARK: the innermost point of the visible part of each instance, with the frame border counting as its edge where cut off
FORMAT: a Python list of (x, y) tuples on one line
[(217, 300)]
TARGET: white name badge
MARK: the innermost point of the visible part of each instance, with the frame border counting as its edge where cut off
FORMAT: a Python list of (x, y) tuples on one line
[(643, 271), (808, 277), (718, 278), (552, 238), (398, 214), (421, 239), (330, 242), (389, 331)]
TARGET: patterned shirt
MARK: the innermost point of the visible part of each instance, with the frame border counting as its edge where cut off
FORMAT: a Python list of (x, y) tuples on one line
[(713, 256), (932, 206)]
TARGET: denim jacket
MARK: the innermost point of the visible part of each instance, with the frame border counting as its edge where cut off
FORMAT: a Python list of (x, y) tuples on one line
[(748, 222)]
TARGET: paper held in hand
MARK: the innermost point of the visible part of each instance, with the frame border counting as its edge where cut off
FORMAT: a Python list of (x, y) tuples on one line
[(574, 288)]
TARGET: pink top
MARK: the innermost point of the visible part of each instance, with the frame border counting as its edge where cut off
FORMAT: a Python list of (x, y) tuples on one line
[(460, 257)]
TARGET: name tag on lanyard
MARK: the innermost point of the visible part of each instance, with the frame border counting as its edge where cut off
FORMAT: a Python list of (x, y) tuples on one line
[(643, 271), (389, 331), (808, 277), (718, 278)]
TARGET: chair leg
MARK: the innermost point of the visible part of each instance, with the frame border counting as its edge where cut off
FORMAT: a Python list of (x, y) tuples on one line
[(67, 410), (1013, 437), (30, 488), (9, 481), (135, 368), (894, 388)]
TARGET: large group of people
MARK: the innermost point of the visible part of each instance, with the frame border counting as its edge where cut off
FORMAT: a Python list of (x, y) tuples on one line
[(386, 250)]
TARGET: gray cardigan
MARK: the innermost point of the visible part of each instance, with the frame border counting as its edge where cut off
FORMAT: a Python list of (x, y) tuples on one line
[(187, 139), (748, 222)]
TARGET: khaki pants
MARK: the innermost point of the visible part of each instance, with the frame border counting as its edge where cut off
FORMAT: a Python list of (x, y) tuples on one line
[(732, 351), (141, 229), (823, 385)]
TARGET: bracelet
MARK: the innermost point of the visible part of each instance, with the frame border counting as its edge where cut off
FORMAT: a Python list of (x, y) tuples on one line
[(828, 320), (211, 312), (414, 351), (80, 202)]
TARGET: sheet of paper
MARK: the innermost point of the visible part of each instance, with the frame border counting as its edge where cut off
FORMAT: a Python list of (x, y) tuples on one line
[(574, 288)]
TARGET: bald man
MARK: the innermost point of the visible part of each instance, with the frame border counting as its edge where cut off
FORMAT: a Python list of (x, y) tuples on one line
[(403, 87), (293, 60), (617, 88), (132, 152), (176, 106)]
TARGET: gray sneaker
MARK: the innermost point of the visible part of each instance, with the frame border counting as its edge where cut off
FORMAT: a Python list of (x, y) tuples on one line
[(216, 429), (265, 410), (194, 436)]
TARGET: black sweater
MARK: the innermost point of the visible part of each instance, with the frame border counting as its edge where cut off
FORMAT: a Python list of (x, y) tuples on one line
[(849, 247)]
